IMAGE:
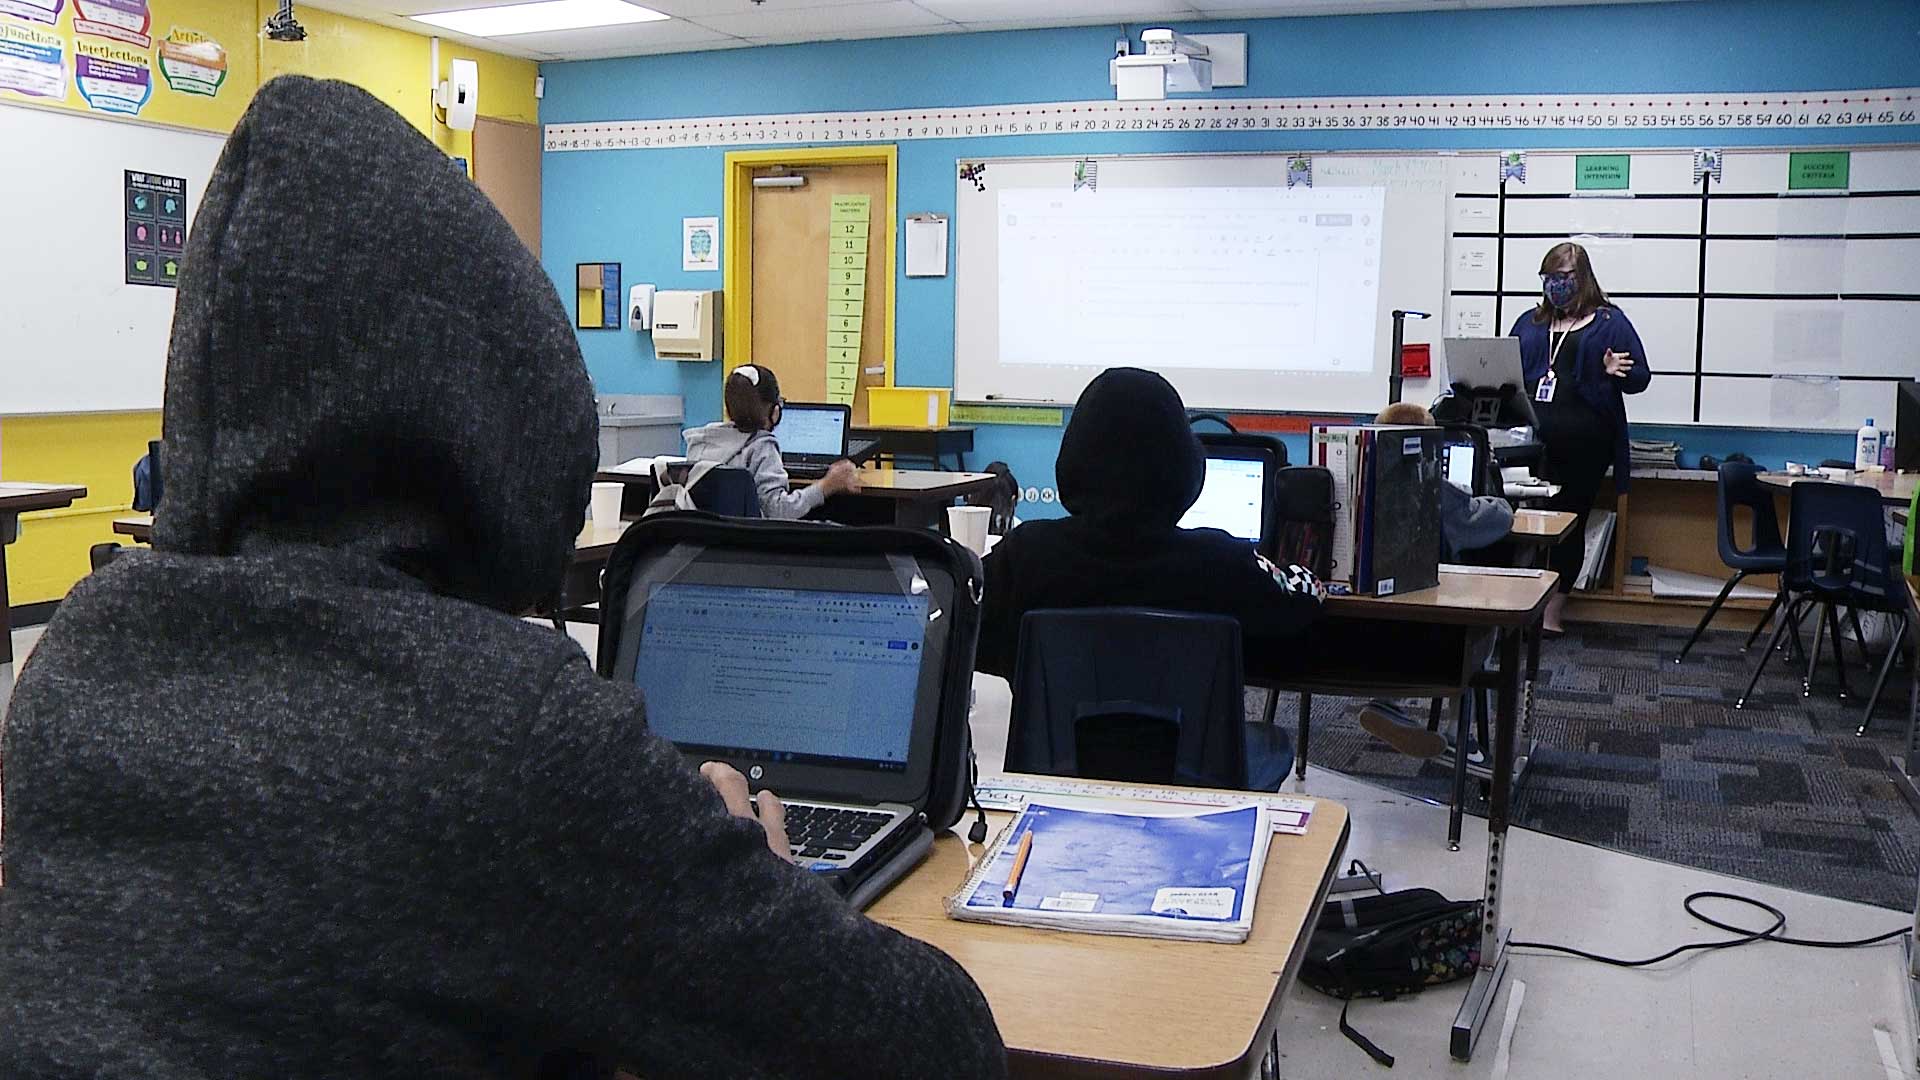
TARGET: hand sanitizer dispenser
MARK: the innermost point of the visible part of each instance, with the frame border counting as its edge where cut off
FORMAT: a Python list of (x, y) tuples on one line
[(640, 308)]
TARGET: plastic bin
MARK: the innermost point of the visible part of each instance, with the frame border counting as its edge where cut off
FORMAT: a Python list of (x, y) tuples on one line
[(909, 406)]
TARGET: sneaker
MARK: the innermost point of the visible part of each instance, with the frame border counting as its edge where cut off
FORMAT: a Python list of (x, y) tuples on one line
[(1396, 729), (1474, 754)]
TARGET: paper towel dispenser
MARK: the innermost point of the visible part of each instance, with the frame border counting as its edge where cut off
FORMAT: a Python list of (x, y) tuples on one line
[(686, 324)]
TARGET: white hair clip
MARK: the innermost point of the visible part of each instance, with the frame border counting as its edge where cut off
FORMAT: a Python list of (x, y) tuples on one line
[(749, 373)]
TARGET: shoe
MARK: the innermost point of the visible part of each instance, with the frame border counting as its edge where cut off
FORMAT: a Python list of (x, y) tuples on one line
[(1475, 756), (1396, 729)]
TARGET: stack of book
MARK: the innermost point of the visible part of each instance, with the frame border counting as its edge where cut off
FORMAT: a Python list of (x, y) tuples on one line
[(1120, 868), (1653, 454), (1386, 513)]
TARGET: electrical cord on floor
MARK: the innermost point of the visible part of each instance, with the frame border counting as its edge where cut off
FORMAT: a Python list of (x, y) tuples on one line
[(1747, 937)]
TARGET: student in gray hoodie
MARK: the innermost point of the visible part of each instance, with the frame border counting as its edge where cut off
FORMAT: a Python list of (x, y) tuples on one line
[(297, 794), (1468, 522), (746, 440)]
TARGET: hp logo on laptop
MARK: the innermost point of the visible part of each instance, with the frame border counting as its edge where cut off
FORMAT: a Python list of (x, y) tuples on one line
[(756, 772)]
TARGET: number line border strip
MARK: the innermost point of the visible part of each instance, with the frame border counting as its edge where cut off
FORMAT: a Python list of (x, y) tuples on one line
[(1815, 109)]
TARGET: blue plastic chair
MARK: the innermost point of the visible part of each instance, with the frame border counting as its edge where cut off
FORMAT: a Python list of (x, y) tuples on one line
[(1837, 557), (1136, 694), (1739, 485)]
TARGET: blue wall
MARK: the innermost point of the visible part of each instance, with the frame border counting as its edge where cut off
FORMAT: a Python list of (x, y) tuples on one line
[(626, 206)]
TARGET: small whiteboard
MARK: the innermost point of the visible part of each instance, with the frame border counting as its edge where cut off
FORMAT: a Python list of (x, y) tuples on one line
[(77, 337), (926, 245)]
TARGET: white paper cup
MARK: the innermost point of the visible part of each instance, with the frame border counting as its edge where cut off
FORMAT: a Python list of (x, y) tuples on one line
[(968, 524), (606, 505)]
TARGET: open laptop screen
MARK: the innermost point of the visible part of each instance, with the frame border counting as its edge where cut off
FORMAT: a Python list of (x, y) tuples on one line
[(813, 431), (787, 675), (1460, 463), (1233, 498)]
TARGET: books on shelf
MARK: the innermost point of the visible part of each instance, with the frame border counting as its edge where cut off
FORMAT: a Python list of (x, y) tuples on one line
[(1184, 874)]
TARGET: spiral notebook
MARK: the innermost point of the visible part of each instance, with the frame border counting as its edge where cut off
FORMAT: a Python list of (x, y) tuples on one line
[(1187, 874)]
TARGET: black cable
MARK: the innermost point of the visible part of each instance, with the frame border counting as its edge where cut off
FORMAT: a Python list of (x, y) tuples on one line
[(1747, 937), (978, 833)]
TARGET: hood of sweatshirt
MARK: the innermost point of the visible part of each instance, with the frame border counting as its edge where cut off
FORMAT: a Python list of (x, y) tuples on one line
[(365, 357), (1129, 458), (715, 442)]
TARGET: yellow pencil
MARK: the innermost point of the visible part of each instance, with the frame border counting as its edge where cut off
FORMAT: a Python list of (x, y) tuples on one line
[(1019, 867)]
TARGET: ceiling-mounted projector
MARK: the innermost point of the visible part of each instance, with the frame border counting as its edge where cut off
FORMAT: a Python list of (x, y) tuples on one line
[(1177, 63)]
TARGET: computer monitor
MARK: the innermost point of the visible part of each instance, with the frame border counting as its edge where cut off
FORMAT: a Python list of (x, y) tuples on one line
[(814, 431), (790, 675), (1460, 461), (1234, 495), (1906, 427)]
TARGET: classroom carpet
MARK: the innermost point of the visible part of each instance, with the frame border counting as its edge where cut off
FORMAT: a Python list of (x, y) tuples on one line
[(1643, 756)]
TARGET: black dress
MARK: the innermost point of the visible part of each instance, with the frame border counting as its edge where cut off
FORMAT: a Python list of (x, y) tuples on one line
[(1579, 450)]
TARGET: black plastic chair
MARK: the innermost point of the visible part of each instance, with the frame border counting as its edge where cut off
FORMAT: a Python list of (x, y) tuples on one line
[(1137, 694), (1251, 440), (1739, 485), (1837, 557), (1001, 498)]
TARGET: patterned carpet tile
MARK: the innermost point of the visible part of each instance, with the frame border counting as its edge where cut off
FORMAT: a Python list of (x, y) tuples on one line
[(1641, 755)]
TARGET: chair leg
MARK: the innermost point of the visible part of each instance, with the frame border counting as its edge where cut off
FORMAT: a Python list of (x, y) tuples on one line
[(1712, 610), (1873, 699), (1839, 650), (1813, 655), (1273, 702), (1306, 724), (1796, 614), (1773, 642), (1860, 638), (1434, 712), (1766, 617)]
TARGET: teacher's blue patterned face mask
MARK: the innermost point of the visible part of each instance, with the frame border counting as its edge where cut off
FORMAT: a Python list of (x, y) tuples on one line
[(1559, 288)]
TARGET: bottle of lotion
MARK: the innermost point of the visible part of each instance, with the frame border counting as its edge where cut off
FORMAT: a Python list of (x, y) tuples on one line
[(1866, 447)]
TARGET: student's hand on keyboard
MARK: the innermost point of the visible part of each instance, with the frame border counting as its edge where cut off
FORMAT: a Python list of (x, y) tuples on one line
[(841, 478), (732, 787)]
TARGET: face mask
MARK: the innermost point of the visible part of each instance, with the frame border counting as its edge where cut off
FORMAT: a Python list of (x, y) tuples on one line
[(1560, 291)]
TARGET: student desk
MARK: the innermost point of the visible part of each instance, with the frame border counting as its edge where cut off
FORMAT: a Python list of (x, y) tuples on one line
[(912, 498), (1536, 532), (582, 585), (1431, 643), (17, 499), (1894, 487), (1086, 1005), (930, 443)]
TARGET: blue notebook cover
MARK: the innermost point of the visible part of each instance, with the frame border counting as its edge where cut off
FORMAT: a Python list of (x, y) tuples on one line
[(1126, 872)]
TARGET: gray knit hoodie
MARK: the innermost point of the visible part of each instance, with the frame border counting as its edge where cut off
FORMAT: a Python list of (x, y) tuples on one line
[(759, 454), (296, 795)]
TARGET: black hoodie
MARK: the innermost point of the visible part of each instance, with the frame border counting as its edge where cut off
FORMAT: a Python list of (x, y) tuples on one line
[(1129, 468), (295, 795)]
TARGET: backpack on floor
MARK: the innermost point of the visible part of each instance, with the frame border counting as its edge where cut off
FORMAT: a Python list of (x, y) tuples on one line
[(1389, 945)]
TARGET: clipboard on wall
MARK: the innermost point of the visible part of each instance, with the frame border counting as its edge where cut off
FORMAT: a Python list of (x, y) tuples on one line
[(926, 245)]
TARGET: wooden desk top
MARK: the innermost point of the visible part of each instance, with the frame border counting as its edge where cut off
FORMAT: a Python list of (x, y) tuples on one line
[(1893, 487), (22, 498), (1541, 526), (1119, 1004), (922, 483), (1459, 600), (591, 544)]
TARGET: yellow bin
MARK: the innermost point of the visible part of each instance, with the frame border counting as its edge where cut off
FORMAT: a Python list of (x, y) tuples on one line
[(908, 406)]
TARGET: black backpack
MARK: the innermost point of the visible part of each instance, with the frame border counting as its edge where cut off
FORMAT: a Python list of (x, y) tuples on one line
[(1389, 945)]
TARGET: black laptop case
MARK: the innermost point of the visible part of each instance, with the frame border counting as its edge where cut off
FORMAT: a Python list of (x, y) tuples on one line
[(665, 537)]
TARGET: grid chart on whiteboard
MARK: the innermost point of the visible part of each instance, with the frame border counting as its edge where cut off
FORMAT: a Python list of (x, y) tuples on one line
[(1819, 109), (1774, 290)]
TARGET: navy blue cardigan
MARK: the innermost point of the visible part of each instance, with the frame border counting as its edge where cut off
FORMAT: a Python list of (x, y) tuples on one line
[(1608, 330)]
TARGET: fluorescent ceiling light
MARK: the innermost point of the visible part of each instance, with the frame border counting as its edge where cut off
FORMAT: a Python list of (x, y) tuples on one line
[(539, 17)]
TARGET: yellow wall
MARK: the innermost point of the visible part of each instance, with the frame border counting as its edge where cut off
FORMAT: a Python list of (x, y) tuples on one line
[(99, 449)]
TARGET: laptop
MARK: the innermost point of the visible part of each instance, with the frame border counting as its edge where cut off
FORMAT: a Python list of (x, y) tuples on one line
[(1460, 462), (817, 678), (813, 437), (1234, 494), (1483, 368)]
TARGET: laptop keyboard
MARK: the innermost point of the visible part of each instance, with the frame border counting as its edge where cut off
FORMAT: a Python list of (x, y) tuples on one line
[(830, 832)]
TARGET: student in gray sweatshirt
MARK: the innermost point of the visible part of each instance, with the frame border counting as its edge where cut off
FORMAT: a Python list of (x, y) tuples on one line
[(1468, 522), (298, 794), (746, 440)]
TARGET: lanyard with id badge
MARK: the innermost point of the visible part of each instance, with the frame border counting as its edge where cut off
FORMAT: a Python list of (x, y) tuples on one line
[(1551, 380)]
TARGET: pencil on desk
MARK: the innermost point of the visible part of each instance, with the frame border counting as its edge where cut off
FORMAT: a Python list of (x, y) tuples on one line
[(1019, 867)]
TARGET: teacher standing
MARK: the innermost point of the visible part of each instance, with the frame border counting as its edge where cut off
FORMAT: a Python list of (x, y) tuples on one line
[(1581, 358)]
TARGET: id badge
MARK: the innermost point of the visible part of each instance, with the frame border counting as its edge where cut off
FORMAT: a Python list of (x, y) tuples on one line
[(1544, 392)]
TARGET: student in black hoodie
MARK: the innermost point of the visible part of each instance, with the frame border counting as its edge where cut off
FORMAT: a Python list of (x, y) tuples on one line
[(296, 794), (1129, 467)]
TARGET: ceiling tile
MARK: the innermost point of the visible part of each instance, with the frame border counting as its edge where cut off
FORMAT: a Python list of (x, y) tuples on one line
[(700, 9), (1263, 9), (607, 40), (660, 50), (1058, 12), (826, 22)]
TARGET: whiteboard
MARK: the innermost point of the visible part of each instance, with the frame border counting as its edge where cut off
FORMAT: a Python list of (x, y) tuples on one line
[(1412, 274), (75, 336)]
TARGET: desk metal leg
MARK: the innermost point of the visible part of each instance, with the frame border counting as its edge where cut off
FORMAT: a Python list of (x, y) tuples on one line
[(1306, 726), (1470, 1021), (1458, 810), (1533, 676)]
